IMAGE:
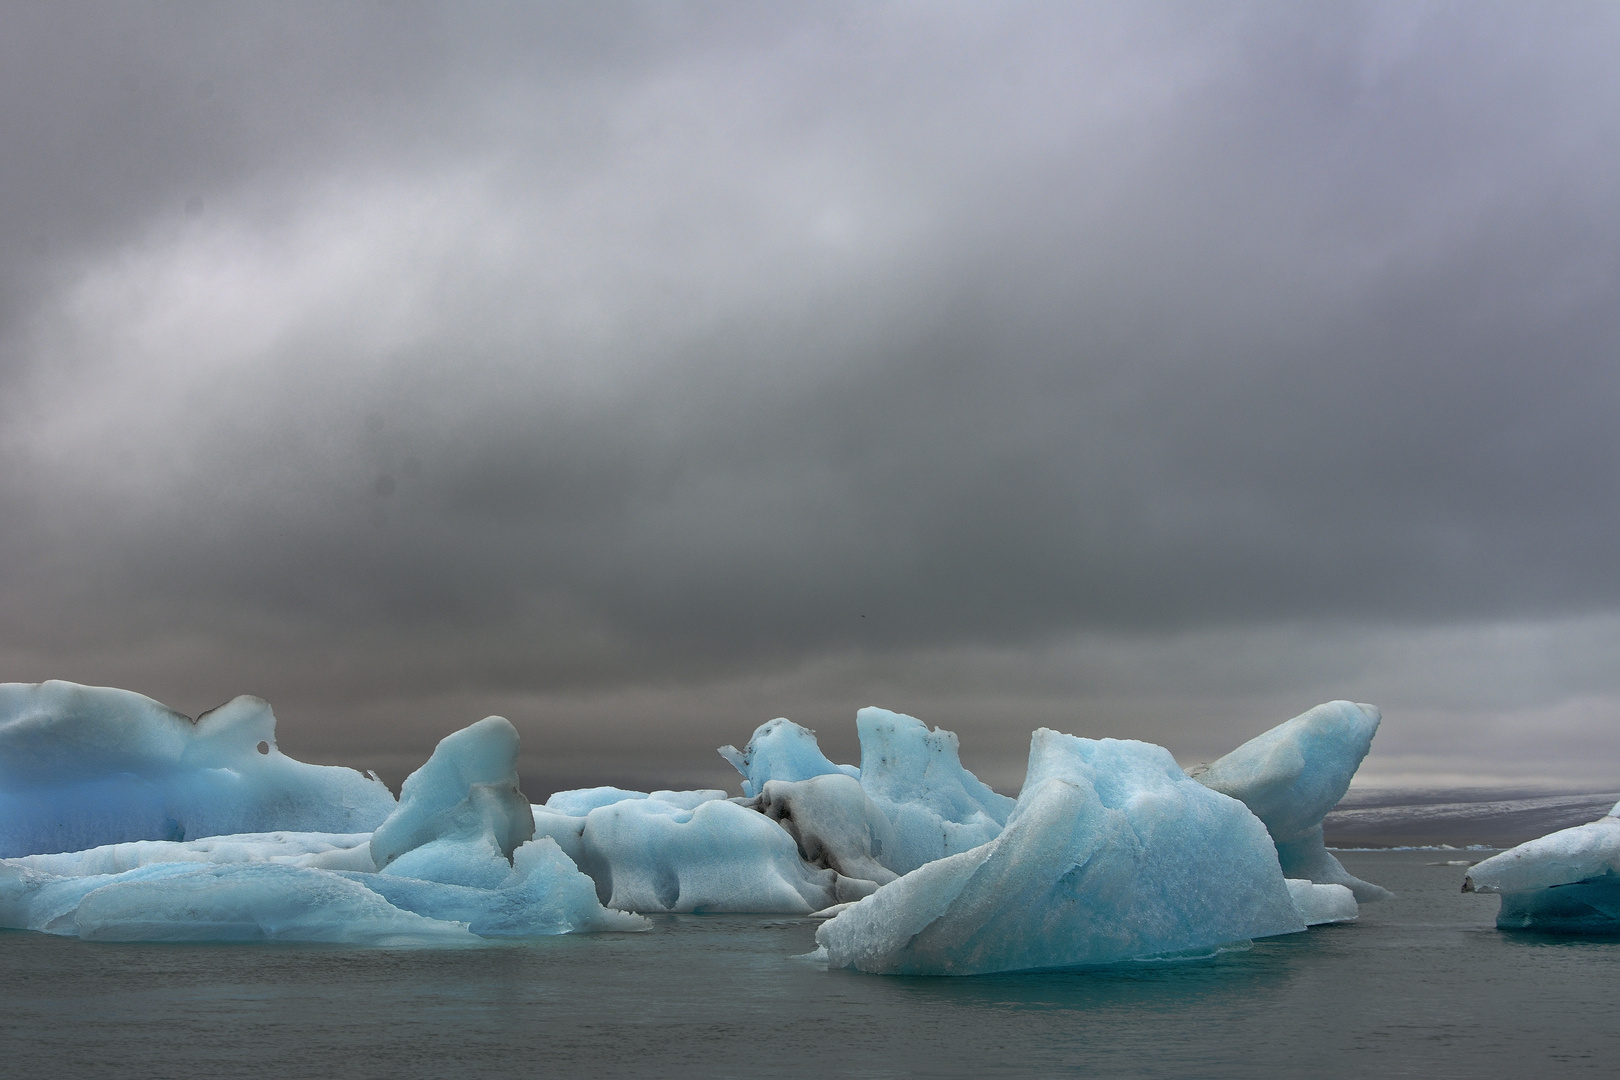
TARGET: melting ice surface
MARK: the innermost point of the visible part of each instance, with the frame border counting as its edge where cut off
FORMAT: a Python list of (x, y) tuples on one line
[(134, 823), (1565, 882)]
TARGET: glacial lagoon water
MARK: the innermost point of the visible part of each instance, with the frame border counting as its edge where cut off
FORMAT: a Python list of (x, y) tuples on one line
[(1421, 986)]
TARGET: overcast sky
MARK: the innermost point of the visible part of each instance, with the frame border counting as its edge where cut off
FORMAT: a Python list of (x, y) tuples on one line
[(644, 372)]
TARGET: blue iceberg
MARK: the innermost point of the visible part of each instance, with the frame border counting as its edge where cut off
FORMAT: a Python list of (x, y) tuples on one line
[(82, 766), (781, 750), (1111, 853), (1567, 882), (453, 863), (1292, 775)]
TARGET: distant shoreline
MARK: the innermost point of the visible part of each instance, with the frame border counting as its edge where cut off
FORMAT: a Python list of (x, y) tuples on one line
[(1457, 818)]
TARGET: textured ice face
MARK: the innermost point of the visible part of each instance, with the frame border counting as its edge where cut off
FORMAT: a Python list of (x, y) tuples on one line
[(780, 750), (833, 823), (261, 888), (1111, 853), (1565, 882), (1292, 775), (460, 815), (915, 776), (83, 766), (457, 865), (650, 856), (1320, 904)]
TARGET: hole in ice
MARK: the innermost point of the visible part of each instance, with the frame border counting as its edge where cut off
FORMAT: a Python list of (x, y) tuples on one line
[(667, 888), (263, 747)]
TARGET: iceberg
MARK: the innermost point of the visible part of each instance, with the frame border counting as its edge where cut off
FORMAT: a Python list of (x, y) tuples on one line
[(1566, 882), (84, 766), (833, 823), (453, 863), (688, 852), (1291, 776), (1322, 904), (461, 815), (781, 750), (124, 820), (915, 777), (1110, 853)]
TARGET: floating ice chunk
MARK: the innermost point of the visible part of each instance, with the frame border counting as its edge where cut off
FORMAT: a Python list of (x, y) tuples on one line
[(329, 851), (581, 801), (237, 901), (543, 894), (254, 902), (833, 822), (780, 750), (84, 766), (1112, 853), (1565, 882), (1319, 904), (461, 814), (1292, 775), (915, 776), (184, 895), (646, 855), (456, 867)]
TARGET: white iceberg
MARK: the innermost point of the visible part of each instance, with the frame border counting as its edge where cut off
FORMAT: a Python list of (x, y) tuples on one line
[(1565, 882), (915, 777), (1322, 904), (1111, 853), (83, 766), (648, 855), (781, 750), (1292, 775), (453, 863)]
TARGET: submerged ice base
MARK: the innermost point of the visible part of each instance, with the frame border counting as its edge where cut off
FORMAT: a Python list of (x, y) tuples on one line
[(1567, 882)]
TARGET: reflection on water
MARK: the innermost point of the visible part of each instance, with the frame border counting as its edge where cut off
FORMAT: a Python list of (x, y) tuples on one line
[(1423, 985)]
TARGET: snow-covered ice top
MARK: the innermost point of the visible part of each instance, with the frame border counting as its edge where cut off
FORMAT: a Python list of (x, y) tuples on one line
[(780, 750), (82, 766), (1586, 853), (1112, 853)]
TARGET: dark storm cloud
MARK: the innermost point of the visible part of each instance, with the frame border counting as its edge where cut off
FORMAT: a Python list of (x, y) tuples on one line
[(386, 352)]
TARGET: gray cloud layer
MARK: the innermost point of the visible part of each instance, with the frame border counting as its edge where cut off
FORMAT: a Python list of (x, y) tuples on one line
[(624, 368)]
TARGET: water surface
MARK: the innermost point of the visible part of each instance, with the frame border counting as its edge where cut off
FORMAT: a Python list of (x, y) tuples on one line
[(1422, 986)]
